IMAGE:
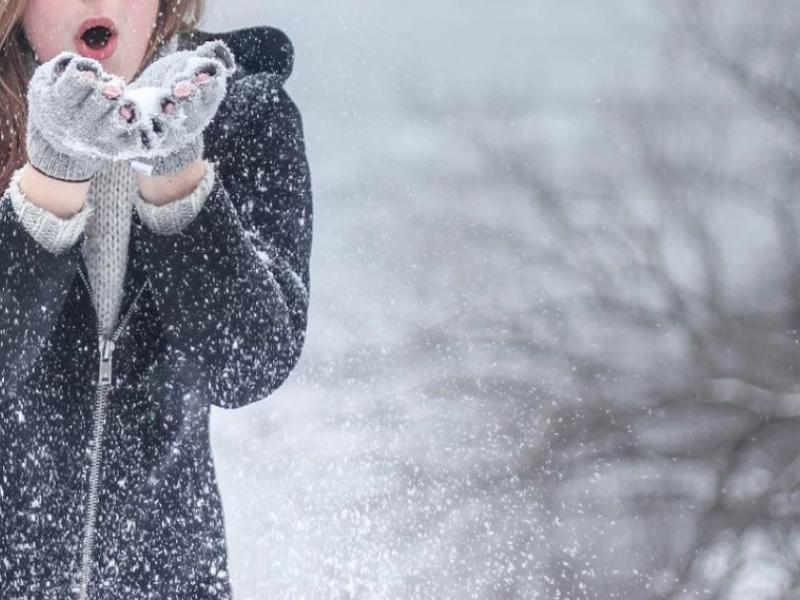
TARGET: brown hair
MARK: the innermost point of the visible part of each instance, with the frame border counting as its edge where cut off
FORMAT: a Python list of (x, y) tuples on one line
[(173, 16)]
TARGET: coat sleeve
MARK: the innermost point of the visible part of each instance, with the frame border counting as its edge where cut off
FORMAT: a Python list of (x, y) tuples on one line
[(232, 286), (38, 264)]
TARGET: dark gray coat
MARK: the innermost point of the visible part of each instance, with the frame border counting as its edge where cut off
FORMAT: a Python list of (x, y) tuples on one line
[(107, 487)]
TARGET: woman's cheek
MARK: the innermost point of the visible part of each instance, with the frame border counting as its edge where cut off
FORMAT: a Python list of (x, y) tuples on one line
[(47, 28)]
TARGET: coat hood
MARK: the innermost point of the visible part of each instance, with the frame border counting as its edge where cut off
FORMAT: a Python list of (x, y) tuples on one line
[(258, 50)]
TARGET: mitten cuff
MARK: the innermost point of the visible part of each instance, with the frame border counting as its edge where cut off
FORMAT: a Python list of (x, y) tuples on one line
[(57, 165), (177, 161), (50, 231), (172, 217)]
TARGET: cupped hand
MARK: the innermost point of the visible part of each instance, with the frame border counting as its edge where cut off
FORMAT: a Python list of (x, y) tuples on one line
[(176, 98), (78, 108)]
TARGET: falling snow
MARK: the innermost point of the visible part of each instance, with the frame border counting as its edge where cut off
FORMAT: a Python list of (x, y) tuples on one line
[(544, 347)]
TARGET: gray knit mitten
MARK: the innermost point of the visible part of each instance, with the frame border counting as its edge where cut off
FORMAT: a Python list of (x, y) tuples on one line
[(76, 122), (178, 95)]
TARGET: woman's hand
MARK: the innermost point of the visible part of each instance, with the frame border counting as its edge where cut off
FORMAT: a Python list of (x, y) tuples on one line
[(178, 96), (77, 118)]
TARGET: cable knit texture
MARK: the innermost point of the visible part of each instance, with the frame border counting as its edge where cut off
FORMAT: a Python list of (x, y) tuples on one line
[(107, 232)]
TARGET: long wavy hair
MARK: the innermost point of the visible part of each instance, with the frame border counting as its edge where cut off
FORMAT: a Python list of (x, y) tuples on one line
[(174, 16)]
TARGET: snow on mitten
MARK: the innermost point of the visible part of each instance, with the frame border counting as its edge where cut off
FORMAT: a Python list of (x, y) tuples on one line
[(74, 125), (179, 94)]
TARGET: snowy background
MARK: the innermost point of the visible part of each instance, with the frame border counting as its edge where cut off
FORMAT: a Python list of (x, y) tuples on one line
[(553, 322)]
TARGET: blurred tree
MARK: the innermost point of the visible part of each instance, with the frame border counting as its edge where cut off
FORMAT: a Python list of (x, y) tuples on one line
[(667, 263)]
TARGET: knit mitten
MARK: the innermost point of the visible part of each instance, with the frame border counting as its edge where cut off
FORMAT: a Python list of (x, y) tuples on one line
[(75, 123), (179, 94)]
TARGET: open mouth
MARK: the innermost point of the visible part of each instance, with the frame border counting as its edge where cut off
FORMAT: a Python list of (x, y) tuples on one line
[(97, 37)]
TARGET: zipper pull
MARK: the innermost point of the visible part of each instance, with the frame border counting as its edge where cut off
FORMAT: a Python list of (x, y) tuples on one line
[(106, 354)]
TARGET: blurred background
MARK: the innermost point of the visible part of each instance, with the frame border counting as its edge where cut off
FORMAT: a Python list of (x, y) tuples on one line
[(555, 323)]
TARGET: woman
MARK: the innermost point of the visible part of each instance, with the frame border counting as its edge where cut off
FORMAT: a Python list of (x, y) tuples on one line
[(156, 233)]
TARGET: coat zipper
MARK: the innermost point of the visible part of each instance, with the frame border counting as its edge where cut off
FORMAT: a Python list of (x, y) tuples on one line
[(104, 384)]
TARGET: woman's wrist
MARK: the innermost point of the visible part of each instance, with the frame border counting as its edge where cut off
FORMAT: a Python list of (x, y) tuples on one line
[(160, 190), (62, 198)]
